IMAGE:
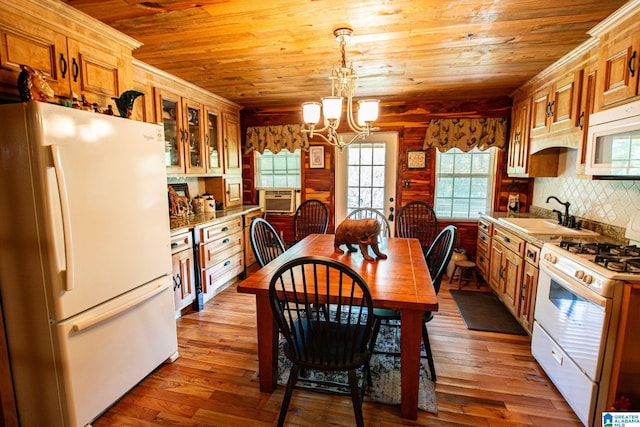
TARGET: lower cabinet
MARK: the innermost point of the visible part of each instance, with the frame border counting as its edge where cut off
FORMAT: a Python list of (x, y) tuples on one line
[(249, 257), (183, 269), (512, 272), (221, 251), (528, 290)]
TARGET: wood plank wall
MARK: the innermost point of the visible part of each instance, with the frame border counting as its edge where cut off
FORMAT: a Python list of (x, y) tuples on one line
[(410, 120)]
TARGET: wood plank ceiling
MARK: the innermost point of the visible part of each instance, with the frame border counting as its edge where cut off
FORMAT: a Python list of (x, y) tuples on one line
[(266, 53)]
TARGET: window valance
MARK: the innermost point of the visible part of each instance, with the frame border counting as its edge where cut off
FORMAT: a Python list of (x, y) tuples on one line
[(276, 138), (466, 134)]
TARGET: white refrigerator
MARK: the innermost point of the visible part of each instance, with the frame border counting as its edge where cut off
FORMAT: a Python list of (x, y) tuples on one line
[(85, 259)]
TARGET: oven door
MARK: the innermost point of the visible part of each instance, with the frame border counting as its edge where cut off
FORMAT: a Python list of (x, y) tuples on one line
[(575, 317)]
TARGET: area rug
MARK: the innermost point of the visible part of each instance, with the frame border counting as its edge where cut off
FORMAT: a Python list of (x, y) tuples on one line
[(483, 311), (385, 373)]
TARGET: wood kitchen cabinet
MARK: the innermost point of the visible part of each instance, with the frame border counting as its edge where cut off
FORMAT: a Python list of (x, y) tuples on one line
[(221, 251), (483, 248), (90, 59), (232, 151), (185, 135), (506, 267), (183, 278), (529, 287), (618, 68), (520, 163), (555, 107), (249, 256), (625, 375)]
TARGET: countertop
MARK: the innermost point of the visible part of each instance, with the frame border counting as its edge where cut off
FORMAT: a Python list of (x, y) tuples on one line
[(494, 217), (192, 221)]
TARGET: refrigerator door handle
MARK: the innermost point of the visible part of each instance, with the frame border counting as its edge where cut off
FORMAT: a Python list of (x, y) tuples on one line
[(66, 220), (87, 323)]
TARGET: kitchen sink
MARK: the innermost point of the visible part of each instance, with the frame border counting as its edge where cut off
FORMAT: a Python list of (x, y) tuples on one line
[(544, 226)]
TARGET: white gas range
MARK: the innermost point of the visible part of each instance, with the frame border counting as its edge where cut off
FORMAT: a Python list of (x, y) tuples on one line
[(576, 317)]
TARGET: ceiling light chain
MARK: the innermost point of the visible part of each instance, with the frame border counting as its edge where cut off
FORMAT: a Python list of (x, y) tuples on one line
[(344, 81)]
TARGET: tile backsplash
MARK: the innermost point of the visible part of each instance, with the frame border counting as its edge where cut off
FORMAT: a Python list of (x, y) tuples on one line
[(607, 201)]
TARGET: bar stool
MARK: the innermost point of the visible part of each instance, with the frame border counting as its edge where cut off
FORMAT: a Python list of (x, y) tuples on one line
[(465, 272)]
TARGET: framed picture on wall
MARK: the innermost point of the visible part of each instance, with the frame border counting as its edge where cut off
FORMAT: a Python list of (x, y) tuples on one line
[(416, 159), (316, 157)]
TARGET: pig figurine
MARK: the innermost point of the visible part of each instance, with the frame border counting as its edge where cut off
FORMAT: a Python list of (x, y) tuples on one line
[(363, 232)]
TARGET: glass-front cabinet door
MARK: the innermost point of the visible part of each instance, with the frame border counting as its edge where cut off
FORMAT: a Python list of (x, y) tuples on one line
[(194, 140), (169, 113), (213, 141)]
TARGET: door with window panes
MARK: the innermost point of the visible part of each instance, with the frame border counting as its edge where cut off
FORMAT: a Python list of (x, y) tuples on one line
[(366, 175)]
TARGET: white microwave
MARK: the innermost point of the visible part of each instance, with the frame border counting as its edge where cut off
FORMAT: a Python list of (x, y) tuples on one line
[(613, 142)]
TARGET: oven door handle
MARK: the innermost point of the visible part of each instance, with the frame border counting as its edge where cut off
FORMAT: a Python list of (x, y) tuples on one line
[(566, 281)]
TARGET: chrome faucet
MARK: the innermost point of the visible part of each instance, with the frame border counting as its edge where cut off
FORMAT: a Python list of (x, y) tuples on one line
[(566, 221)]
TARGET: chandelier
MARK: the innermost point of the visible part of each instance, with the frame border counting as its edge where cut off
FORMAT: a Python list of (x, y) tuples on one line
[(344, 81)]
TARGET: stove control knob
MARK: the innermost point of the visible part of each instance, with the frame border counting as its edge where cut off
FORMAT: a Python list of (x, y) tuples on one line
[(588, 279), (579, 274), (551, 258)]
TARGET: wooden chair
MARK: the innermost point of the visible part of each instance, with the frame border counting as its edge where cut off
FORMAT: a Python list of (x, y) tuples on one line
[(361, 213), (418, 220), (311, 217), (321, 339), (437, 257), (265, 242)]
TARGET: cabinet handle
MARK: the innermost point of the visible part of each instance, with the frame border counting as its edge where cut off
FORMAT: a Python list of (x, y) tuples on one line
[(551, 104), (225, 241), (177, 281), (227, 263), (506, 239), (530, 254), (225, 229), (632, 67), (581, 121), (501, 274), (63, 66), (482, 238), (548, 109), (75, 69)]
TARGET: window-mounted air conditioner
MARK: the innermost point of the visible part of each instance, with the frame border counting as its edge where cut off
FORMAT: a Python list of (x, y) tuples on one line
[(279, 201)]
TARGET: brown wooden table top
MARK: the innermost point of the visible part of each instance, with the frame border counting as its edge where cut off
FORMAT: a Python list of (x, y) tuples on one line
[(400, 282)]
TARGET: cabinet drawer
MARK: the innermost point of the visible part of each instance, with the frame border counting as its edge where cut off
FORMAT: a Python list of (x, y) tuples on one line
[(215, 231), (216, 251), (485, 226), (484, 243), (509, 240), (181, 241), (222, 272), (482, 262), (532, 254)]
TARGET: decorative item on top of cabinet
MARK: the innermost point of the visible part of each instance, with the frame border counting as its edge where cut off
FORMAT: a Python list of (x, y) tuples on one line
[(125, 101), (74, 62), (520, 163), (183, 269)]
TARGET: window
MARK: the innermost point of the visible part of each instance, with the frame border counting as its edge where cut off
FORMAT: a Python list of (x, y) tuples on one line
[(464, 183), (280, 170)]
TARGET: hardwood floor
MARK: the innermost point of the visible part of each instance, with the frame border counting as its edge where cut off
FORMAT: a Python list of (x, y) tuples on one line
[(484, 379)]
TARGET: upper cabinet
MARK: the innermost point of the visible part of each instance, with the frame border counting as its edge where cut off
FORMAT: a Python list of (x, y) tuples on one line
[(202, 130), (618, 68), (618, 57), (555, 106), (232, 151), (94, 64), (518, 155)]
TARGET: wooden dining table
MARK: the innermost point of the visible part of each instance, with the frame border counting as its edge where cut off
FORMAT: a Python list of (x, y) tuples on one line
[(400, 282)]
